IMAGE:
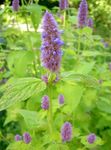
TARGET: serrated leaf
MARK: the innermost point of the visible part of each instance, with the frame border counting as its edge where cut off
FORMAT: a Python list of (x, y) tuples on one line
[(72, 78), (19, 90)]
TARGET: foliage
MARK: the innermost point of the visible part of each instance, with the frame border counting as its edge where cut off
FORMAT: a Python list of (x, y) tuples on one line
[(84, 80)]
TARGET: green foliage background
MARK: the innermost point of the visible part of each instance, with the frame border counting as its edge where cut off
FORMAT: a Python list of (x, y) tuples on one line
[(85, 79)]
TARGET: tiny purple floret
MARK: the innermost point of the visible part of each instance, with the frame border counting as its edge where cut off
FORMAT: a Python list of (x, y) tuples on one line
[(66, 132), (90, 23), (45, 102), (27, 138), (61, 99), (45, 78), (18, 137), (91, 138)]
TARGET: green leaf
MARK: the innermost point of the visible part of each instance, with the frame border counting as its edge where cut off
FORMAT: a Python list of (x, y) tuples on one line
[(18, 62), (72, 78), (84, 67), (104, 105), (106, 83), (30, 118), (57, 147), (36, 13), (87, 31), (73, 19), (19, 90), (21, 145), (95, 53), (72, 96), (98, 141)]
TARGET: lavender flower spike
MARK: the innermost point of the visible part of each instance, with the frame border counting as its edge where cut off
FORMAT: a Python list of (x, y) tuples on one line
[(61, 99), (63, 4), (82, 14), (66, 132), (91, 138), (51, 44), (18, 137), (27, 138), (45, 102), (90, 23), (15, 5)]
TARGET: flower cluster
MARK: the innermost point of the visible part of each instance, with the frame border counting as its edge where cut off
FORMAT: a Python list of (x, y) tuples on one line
[(91, 138), (51, 44), (66, 132), (82, 14), (45, 102), (61, 99), (63, 4), (18, 137), (26, 137), (15, 5), (90, 23)]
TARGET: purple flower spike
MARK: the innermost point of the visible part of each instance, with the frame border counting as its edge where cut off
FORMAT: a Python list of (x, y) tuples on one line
[(90, 23), (82, 14), (27, 138), (45, 102), (61, 99), (15, 5), (91, 138), (66, 132), (18, 137), (51, 44), (63, 4)]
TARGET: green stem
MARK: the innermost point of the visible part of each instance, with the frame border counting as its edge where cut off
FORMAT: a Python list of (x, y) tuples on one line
[(64, 23), (26, 21), (79, 42), (50, 113), (22, 2)]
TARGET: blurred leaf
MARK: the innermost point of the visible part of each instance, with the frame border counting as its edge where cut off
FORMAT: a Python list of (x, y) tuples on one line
[(104, 105), (95, 53), (18, 62), (84, 67), (87, 30), (36, 13), (72, 96), (106, 83), (73, 19), (30, 117), (72, 78)]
